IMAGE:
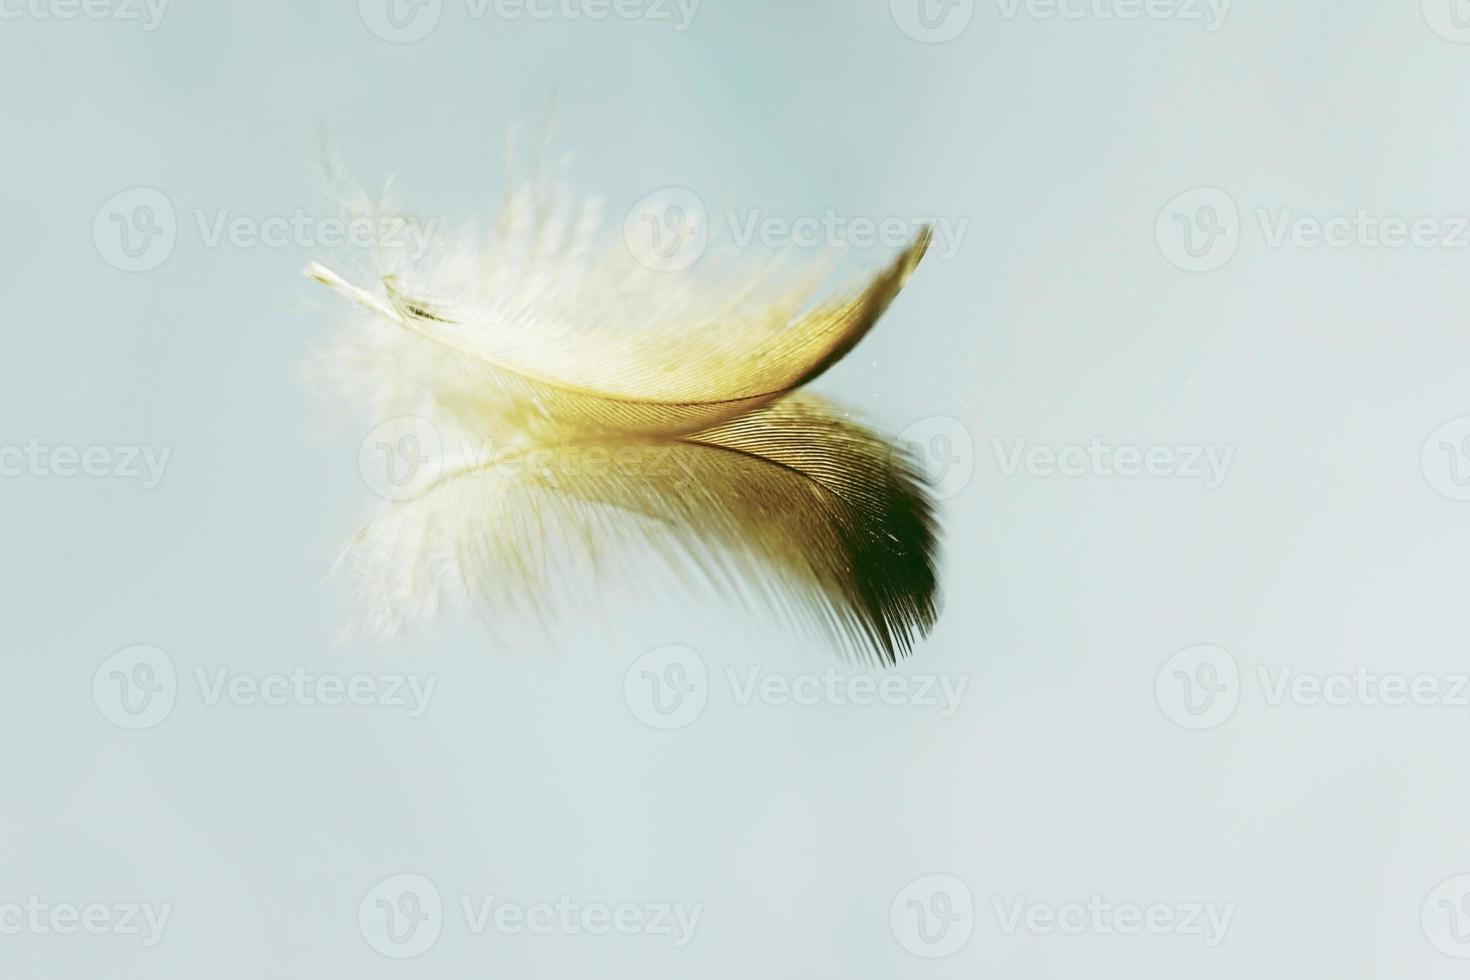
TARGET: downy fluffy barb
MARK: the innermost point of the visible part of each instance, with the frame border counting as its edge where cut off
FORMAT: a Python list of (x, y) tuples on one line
[(555, 345)]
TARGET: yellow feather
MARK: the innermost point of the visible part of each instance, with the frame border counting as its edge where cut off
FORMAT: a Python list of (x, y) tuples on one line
[(791, 506), (653, 374), (634, 413)]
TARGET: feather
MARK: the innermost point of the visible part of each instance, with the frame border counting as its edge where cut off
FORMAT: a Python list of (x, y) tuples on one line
[(792, 507), (543, 333), (632, 413)]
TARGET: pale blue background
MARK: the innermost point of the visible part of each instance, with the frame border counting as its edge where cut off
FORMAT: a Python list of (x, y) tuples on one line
[(1060, 778)]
